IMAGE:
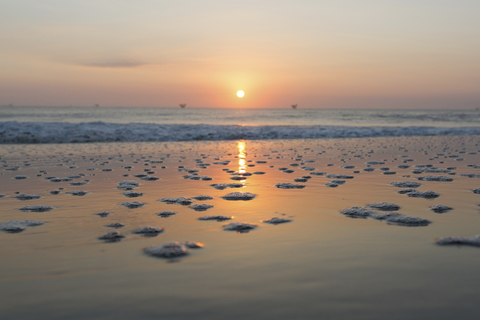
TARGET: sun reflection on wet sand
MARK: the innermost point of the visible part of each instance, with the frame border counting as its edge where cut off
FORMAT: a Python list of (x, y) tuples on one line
[(241, 156)]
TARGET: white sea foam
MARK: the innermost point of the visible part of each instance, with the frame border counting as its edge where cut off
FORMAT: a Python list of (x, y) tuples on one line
[(404, 220), (18, 226), (112, 236), (115, 225), (103, 214), (239, 196), (217, 218), (429, 194), (201, 207), (406, 184), (339, 176), (133, 204), (458, 241), (389, 217), (148, 230), (276, 220), (288, 185), (24, 196), (132, 194), (62, 132), (37, 208), (181, 200), (384, 206), (167, 250), (192, 244), (239, 226), (435, 178), (77, 192), (203, 198), (357, 212), (166, 213), (439, 208)]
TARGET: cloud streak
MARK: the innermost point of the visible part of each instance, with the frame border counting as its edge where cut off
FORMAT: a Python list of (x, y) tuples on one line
[(114, 63)]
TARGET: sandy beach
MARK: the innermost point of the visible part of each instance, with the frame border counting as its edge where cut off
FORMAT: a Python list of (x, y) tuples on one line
[(344, 242)]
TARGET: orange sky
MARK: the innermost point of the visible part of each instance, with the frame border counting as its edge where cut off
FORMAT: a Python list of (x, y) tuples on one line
[(319, 54)]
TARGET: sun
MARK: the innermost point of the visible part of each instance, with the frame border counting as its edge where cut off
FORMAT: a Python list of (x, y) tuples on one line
[(240, 94)]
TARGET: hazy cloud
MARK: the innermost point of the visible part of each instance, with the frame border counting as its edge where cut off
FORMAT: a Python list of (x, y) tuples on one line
[(115, 63)]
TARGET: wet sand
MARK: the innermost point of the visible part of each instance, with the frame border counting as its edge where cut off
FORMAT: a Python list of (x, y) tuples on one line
[(287, 252)]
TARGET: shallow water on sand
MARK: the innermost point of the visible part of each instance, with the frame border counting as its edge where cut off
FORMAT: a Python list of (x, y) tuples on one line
[(321, 265)]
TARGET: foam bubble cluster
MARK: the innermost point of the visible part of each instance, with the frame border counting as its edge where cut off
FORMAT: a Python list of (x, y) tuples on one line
[(167, 250), (276, 220), (19, 225), (239, 226), (459, 241), (239, 196), (133, 205), (216, 217), (288, 185), (37, 208)]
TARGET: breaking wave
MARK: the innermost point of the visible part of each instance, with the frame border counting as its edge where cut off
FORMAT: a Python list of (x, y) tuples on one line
[(61, 132)]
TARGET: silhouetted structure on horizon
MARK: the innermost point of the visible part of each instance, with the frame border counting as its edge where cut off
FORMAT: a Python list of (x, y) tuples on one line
[(183, 105), (294, 106)]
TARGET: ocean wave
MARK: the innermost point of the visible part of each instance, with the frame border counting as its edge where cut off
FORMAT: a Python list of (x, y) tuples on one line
[(61, 132)]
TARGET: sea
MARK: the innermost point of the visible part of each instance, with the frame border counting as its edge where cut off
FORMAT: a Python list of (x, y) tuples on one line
[(136, 124)]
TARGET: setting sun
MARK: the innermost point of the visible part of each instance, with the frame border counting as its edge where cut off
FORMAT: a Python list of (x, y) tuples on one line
[(240, 94)]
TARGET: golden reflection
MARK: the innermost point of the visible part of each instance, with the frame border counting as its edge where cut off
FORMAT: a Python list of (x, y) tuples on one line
[(241, 157)]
